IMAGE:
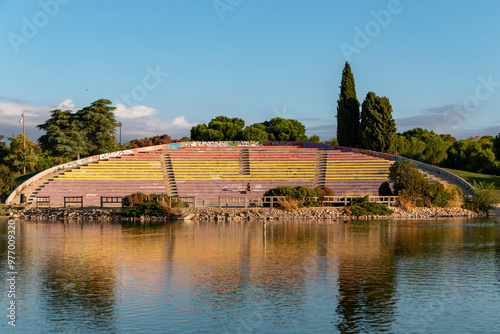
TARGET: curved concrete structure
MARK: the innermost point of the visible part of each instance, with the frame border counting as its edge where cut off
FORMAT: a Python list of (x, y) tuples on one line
[(207, 170)]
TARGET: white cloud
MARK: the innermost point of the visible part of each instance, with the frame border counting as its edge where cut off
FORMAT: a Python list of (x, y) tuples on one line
[(133, 112), (138, 121), (66, 105)]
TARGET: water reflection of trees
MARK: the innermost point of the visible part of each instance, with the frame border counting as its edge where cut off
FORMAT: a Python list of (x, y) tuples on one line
[(367, 278)]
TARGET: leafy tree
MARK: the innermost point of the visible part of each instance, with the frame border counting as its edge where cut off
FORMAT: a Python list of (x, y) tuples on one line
[(99, 124), (256, 132), (15, 158), (332, 141), (4, 149), (285, 129), (89, 131), (377, 128), (484, 196), (230, 128), (63, 136), (156, 140), (496, 146), (198, 131), (406, 177), (313, 139), (422, 145), (348, 110), (470, 155), (7, 178), (219, 128), (448, 138)]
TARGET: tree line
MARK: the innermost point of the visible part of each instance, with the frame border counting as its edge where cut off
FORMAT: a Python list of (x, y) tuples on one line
[(375, 129)]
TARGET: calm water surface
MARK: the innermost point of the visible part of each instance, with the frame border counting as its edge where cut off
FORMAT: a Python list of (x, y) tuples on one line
[(436, 276)]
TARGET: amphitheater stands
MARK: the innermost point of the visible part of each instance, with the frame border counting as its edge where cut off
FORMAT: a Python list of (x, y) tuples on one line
[(209, 172), (350, 173), (118, 176)]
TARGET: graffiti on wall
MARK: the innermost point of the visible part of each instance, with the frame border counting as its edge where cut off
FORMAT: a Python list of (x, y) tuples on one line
[(75, 163), (282, 143), (241, 188), (316, 145), (215, 144), (114, 154)]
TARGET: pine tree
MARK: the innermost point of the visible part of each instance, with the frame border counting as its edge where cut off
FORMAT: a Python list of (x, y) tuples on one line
[(348, 111), (99, 124), (63, 137), (377, 128), (89, 131)]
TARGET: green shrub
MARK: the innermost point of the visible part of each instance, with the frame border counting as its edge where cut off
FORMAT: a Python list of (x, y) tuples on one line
[(385, 189), (370, 208), (439, 195), (406, 176), (301, 194), (178, 203), (321, 192), (484, 196), (152, 209)]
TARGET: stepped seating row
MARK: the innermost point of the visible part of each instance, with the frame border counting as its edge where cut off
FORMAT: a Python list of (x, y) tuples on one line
[(225, 175), (210, 172), (93, 190), (117, 177)]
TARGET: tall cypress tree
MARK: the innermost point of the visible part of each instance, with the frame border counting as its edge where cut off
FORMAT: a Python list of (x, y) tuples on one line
[(376, 131), (348, 111)]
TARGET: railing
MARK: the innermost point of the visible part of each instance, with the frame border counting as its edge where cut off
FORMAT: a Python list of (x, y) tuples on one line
[(190, 200), (111, 200), (269, 201), (73, 200), (347, 200), (249, 201), (42, 200)]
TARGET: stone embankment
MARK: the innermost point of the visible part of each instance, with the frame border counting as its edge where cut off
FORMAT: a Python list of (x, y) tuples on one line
[(216, 214), (319, 213)]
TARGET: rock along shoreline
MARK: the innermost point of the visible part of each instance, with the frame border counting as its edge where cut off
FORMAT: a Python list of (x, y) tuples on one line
[(230, 214)]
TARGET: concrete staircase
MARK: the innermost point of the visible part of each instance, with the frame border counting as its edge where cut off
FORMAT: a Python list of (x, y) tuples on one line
[(320, 173), (168, 172), (244, 160), (31, 190)]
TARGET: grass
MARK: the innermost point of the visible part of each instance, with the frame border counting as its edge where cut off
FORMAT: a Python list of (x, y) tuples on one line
[(469, 177)]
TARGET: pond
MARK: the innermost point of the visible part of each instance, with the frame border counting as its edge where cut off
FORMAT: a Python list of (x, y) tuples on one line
[(436, 276)]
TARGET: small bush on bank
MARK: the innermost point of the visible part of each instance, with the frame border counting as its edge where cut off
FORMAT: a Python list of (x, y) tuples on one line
[(445, 195), (302, 195), (152, 209), (154, 205), (484, 197), (370, 208), (321, 192), (385, 189), (288, 204)]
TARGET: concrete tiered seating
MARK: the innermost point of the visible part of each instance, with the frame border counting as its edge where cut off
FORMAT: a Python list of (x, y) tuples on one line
[(350, 173), (117, 177), (208, 172)]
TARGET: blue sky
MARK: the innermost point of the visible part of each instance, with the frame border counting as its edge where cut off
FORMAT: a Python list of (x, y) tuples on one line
[(168, 65)]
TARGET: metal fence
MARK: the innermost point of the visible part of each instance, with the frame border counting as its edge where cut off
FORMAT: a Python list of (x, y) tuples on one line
[(269, 201)]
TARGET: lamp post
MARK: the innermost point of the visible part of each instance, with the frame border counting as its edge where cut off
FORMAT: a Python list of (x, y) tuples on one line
[(120, 126), (396, 138), (24, 144)]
